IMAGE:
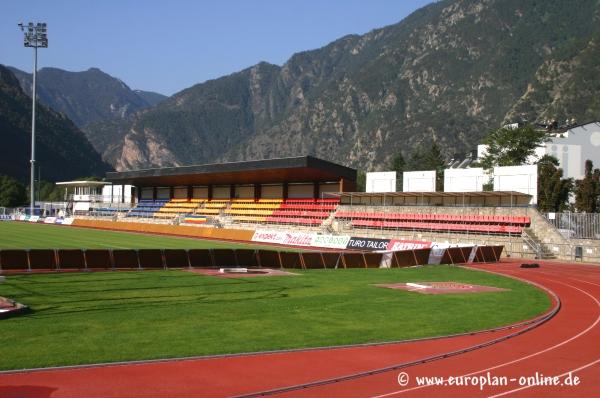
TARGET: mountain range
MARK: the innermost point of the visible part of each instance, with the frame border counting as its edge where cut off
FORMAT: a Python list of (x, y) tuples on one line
[(63, 152), (87, 97), (450, 72)]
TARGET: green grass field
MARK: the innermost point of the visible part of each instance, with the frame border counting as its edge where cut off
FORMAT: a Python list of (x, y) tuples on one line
[(80, 318)]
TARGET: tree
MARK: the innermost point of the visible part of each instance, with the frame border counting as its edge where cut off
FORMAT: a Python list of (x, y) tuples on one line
[(361, 181), (12, 192), (399, 166), (553, 190), (416, 160), (50, 192), (512, 146), (587, 190), (434, 160)]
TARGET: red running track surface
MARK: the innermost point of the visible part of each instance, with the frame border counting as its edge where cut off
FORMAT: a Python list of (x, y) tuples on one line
[(569, 342)]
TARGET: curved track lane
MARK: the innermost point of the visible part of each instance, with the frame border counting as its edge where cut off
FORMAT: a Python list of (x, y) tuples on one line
[(566, 343)]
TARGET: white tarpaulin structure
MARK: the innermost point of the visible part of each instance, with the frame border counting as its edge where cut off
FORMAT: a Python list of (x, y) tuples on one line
[(517, 178), (418, 181), (464, 180), (381, 181)]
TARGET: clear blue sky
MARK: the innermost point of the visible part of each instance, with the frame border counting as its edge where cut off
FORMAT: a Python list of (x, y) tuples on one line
[(166, 46)]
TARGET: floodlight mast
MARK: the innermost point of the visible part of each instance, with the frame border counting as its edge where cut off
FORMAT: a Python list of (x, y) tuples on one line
[(36, 37)]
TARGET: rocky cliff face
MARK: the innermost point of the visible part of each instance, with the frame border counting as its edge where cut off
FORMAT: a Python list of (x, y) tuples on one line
[(565, 86), (450, 72)]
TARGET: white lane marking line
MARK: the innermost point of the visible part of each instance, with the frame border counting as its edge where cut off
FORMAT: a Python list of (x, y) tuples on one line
[(518, 359)]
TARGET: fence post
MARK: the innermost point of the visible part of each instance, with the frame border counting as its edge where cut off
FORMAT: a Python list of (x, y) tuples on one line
[(28, 261), (83, 252)]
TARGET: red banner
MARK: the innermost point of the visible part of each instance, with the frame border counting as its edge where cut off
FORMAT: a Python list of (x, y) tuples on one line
[(397, 245)]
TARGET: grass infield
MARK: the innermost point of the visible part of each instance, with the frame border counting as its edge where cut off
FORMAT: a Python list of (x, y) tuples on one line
[(118, 316)]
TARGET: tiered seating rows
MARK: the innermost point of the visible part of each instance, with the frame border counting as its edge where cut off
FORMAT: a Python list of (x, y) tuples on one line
[(309, 206), (255, 205), (294, 220), (518, 220), (178, 207), (291, 211), (146, 208), (298, 213), (497, 228)]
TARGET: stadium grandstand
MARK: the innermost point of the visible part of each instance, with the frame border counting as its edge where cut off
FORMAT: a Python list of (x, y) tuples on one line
[(261, 200)]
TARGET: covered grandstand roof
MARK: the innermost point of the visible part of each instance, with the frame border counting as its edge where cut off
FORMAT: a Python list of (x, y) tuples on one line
[(83, 183), (297, 169)]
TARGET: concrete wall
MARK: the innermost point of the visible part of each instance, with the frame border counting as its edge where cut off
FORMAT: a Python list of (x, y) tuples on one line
[(298, 191), (179, 230), (200, 192), (244, 191), (180, 192)]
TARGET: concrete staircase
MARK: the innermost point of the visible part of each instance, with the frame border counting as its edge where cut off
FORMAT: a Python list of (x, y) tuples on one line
[(542, 251), (543, 235)]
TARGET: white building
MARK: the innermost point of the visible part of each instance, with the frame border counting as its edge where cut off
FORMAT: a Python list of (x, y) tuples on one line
[(572, 147), (87, 194)]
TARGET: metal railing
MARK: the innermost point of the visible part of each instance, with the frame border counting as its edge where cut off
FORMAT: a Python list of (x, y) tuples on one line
[(576, 225), (537, 248)]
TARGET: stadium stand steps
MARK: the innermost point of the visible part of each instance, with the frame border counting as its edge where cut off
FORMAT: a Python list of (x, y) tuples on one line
[(546, 231), (459, 223), (543, 252)]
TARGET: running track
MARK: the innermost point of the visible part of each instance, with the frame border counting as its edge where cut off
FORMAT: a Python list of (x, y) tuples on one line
[(568, 342)]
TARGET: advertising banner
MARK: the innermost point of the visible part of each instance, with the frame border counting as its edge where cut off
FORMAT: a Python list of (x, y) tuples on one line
[(330, 241), (367, 244), (398, 245), (283, 238), (301, 239)]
